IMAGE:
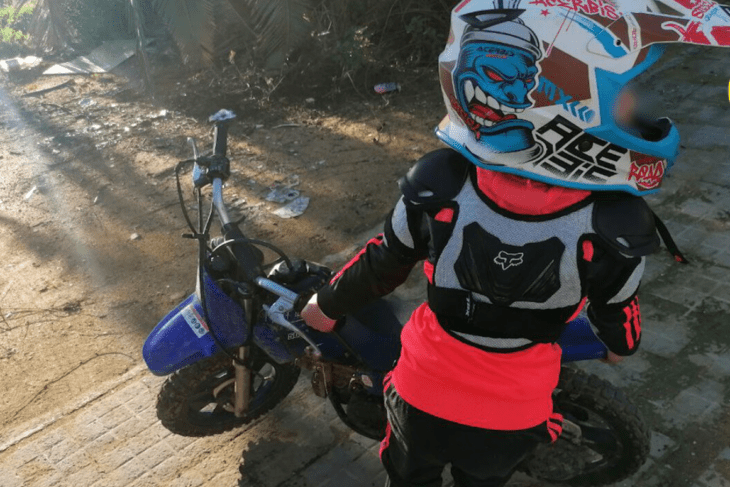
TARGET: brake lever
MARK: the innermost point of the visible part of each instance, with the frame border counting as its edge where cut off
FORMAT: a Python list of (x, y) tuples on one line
[(191, 142), (285, 304), (276, 312)]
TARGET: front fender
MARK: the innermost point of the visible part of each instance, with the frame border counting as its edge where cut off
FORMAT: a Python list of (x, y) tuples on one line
[(183, 337)]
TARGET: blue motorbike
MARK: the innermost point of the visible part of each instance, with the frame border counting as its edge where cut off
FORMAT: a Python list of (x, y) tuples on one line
[(235, 348)]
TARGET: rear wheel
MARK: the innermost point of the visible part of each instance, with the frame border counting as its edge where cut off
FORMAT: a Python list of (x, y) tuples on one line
[(362, 412), (611, 445), (198, 400)]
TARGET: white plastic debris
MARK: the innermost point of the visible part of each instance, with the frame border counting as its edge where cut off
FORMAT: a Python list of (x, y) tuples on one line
[(293, 209), (282, 194), (19, 63), (101, 60), (30, 193)]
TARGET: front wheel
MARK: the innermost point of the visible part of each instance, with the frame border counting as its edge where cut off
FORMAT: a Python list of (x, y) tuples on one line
[(610, 444), (198, 400)]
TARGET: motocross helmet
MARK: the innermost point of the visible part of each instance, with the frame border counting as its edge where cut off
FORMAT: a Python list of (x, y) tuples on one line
[(535, 87)]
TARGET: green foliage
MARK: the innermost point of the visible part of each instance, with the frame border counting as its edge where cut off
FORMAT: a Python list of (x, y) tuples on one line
[(14, 22), (340, 37), (362, 36), (191, 25), (350, 51), (426, 38), (279, 27)]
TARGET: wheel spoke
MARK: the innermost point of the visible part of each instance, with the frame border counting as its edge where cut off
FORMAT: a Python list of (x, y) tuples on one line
[(198, 400), (201, 401)]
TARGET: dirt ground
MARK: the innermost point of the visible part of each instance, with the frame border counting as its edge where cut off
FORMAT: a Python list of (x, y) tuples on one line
[(90, 229)]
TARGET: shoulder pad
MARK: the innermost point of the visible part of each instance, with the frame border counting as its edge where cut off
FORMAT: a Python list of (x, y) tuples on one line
[(436, 177), (626, 224)]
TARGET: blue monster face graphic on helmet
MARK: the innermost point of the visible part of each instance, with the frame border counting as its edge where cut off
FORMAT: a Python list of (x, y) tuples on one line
[(495, 73)]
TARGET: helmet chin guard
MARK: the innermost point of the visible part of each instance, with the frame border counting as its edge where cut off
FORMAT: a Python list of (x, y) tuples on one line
[(532, 87)]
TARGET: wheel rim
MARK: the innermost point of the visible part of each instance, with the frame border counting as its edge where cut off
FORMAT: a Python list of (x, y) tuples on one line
[(212, 400), (598, 448)]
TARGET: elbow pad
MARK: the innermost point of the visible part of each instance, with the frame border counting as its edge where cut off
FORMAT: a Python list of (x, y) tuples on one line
[(435, 178), (626, 224)]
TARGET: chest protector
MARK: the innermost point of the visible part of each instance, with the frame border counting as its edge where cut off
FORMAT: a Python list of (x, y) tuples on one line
[(503, 275)]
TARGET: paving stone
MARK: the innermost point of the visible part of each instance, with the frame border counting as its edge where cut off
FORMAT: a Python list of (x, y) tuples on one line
[(115, 458), (138, 465), (23, 455), (662, 344), (140, 403), (61, 450), (73, 463), (91, 412), (366, 468), (88, 432), (102, 444), (678, 293), (124, 475), (319, 472), (702, 94), (130, 428), (9, 478), (86, 476), (188, 479), (696, 404), (46, 442), (697, 208), (155, 455), (717, 364), (150, 437), (222, 479), (657, 266), (721, 258), (718, 240), (36, 469), (637, 479), (150, 482), (131, 392), (115, 417), (178, 442), (711, 478), (53, 480), (166, 468)]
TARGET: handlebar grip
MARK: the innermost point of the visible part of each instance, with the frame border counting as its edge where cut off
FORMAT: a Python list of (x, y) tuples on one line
[(220, 143), (249, 258)]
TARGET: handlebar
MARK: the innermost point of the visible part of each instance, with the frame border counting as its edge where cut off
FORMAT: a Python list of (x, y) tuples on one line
[(218, 203), (220, 139), (215, 169)]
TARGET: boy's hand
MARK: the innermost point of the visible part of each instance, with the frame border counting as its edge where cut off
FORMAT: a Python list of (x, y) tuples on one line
[(315, 318), (612, 358)]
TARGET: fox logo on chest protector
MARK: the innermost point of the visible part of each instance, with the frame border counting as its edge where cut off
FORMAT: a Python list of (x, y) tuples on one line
[(507, 259)]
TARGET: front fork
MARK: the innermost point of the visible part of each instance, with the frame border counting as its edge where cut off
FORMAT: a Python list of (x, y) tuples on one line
[(242, 384)]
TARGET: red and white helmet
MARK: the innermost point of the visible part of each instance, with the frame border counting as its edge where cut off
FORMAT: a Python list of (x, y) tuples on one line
[(532, 87)]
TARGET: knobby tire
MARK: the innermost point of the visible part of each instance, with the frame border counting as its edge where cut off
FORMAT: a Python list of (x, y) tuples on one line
[(182, 396)]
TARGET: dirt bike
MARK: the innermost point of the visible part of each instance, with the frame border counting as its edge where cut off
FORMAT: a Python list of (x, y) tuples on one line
[(236, 346)]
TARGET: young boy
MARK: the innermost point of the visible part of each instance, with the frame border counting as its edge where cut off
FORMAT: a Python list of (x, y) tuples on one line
[(533, 212)]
